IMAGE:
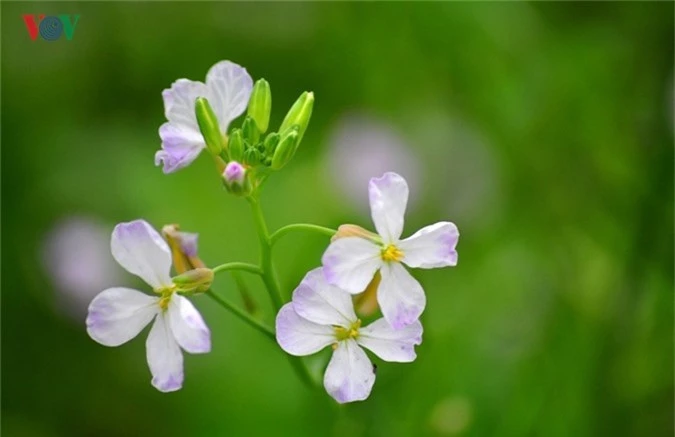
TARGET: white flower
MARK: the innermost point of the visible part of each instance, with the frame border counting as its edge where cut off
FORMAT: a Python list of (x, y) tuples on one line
[(320, 315), (350, 262), (227, 88), (119, 314)]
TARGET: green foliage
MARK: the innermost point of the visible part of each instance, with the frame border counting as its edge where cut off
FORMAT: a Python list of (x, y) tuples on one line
[(544, 130)]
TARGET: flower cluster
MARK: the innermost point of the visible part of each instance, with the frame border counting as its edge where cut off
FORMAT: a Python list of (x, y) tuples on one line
[(321, 311)]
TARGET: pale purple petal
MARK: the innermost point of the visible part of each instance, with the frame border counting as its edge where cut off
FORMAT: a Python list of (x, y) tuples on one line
[(234, 172), (350, 263), (391, 344), (179, 104), (400, 296), (138, 248), (188, 242), (117, 315), (298, 336), (388, 199), (164, 356), (187, 326), (180, 147), (432, 246), (230, 87), (317, 301), (350, 375)]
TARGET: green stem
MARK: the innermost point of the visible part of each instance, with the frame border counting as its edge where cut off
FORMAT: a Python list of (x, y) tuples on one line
[(300, 227), (267, 269), (269, 278), (252, 268), (242, 315)]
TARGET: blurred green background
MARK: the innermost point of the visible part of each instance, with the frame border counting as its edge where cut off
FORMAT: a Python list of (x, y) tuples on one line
[(544, 131)]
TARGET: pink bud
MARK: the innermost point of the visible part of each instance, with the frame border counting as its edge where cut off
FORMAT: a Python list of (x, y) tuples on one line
[(234, 173)]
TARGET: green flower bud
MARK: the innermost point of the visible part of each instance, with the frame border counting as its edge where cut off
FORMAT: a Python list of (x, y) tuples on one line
[(299, 115), (236, 145), (260, 104), (286, 149), (271, 143), (208, 125), (252, 157), (250, 131), (199, 280)]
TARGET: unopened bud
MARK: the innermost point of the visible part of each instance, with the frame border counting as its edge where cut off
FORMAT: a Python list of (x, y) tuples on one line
[(260, 104), (271, 144), (285, 149), (236, 145), (355, 231), (252, 157), (235, 178), (299, 115), (234, 173), (250, 131), (366, 302), (194, 280), (183, 247), (208, 126)]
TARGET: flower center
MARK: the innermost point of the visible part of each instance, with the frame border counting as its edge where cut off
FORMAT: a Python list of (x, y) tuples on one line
[(165, 296), (392, 253), (342, 333)]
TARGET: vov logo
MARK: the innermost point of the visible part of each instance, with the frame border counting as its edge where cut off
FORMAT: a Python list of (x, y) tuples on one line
[(50, 27)]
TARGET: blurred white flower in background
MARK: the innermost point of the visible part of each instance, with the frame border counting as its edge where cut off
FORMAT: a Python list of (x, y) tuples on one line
[(76, 257), (362, 147), (461, 162)]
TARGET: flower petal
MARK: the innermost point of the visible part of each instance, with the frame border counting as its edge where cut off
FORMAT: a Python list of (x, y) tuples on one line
[(117, 315), (350, 375), (317, 301), (432, 246), (350, 263), (230, 88), (298, 336), (400, 296), (164, 356), (179, 104), (138, 248), (188, 327), (188, 243), (180, 146), (388, 199), (391, 344)]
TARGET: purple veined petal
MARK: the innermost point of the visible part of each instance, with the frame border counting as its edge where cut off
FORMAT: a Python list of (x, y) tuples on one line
[(117, 315), (187, 326), (350, 375), (298, 336), (388, 199), (350, 263), (164, 356), (391, 344), (431, 247), (400, 296), (179, 103), (229, 87), (138, 248), (180, 147), (319, 302)]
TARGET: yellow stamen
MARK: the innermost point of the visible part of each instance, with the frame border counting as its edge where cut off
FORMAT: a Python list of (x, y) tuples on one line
[(165, 298), (392, 253), (342, 333)]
